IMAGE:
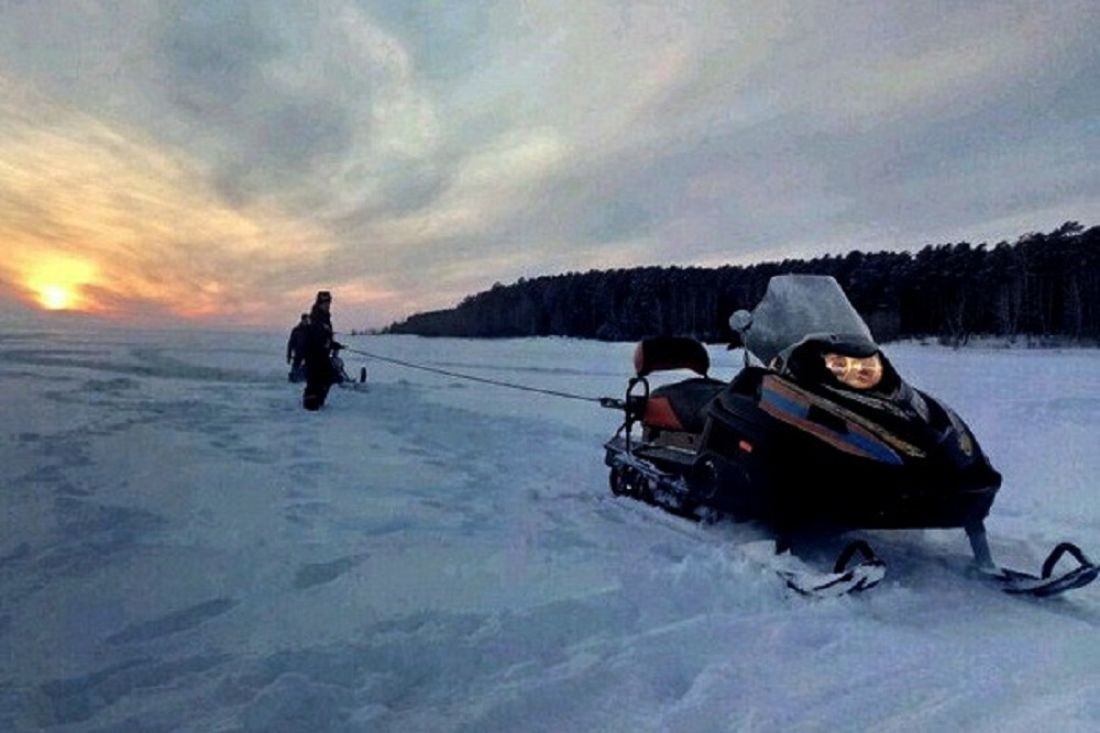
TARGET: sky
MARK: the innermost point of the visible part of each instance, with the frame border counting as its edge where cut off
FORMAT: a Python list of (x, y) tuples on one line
[(217, 163)]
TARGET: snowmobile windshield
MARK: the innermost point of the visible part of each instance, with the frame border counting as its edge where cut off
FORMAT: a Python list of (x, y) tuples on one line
[(797, 307)]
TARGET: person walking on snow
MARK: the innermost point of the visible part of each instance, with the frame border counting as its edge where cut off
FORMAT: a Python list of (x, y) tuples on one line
[(319, 348), (296, 349)]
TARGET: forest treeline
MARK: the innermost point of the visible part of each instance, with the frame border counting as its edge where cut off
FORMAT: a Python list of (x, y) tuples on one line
[(1043, 285)]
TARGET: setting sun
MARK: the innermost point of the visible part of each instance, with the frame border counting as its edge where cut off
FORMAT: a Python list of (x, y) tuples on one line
[(55, 297), (55, 281)]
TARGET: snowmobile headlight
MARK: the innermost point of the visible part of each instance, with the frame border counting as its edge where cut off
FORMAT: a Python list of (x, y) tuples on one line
[(855, 372), (966, 443)]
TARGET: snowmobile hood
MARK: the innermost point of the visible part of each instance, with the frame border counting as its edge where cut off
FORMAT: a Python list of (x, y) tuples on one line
[(797, 308)]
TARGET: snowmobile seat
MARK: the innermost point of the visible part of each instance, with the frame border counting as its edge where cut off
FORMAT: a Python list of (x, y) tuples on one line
[(681, 406), (665, 353)]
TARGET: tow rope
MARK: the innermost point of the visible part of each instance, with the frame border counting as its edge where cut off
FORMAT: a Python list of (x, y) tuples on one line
[(472, 378)]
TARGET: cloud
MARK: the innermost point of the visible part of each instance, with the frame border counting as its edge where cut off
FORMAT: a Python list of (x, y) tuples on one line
[(147, 221), (409, 152), (307, 103)]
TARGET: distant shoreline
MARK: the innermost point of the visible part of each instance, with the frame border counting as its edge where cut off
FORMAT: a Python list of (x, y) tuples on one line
[(1044, 286)]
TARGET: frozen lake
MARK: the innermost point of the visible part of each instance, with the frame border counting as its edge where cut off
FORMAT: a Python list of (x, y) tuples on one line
[(182, 547)]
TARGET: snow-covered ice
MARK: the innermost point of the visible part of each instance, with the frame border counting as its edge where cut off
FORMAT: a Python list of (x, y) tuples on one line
[(182, 547)]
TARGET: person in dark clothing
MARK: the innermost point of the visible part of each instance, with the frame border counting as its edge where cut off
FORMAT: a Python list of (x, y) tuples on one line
[(319, 348), (296, 349)]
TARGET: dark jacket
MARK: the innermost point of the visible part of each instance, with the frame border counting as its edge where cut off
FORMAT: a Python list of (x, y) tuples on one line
[(318, 347), (296, 344)]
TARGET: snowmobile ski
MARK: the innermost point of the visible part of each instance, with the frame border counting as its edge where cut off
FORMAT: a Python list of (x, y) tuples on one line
[(847, 576), (1047, 583)]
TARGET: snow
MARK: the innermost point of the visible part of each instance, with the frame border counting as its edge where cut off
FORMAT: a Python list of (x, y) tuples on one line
[(182, 547)]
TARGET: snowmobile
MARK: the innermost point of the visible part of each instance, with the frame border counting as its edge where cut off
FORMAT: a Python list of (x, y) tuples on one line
[(817, 433), (341, 376)]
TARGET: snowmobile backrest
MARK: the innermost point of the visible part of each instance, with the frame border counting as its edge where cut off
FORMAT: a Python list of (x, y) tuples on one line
[(665, 353)]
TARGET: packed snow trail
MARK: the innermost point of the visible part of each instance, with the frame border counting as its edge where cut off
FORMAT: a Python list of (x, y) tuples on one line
[(183, 547)]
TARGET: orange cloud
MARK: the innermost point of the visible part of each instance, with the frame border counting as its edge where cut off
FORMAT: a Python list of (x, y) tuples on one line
[(99, 219), (56, 281)]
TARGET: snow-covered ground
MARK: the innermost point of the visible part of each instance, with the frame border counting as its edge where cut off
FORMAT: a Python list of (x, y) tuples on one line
[(182, 547)]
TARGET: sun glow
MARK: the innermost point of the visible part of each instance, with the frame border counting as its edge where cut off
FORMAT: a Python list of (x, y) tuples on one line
[(55, 297), (54, 281)]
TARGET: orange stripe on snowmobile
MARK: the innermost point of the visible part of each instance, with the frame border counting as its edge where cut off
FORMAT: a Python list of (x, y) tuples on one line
[(814, 429), (792, 406), (857, 423)]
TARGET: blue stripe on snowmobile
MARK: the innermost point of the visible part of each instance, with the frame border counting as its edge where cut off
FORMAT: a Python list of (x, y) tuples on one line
[(874, 447)]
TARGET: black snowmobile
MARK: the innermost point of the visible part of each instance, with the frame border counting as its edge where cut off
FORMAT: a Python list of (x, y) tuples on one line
[(818, 432), (341, 378)]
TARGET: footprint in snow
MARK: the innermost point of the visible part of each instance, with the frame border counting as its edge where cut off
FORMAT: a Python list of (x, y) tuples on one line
[(314, 574), (172, 623)]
